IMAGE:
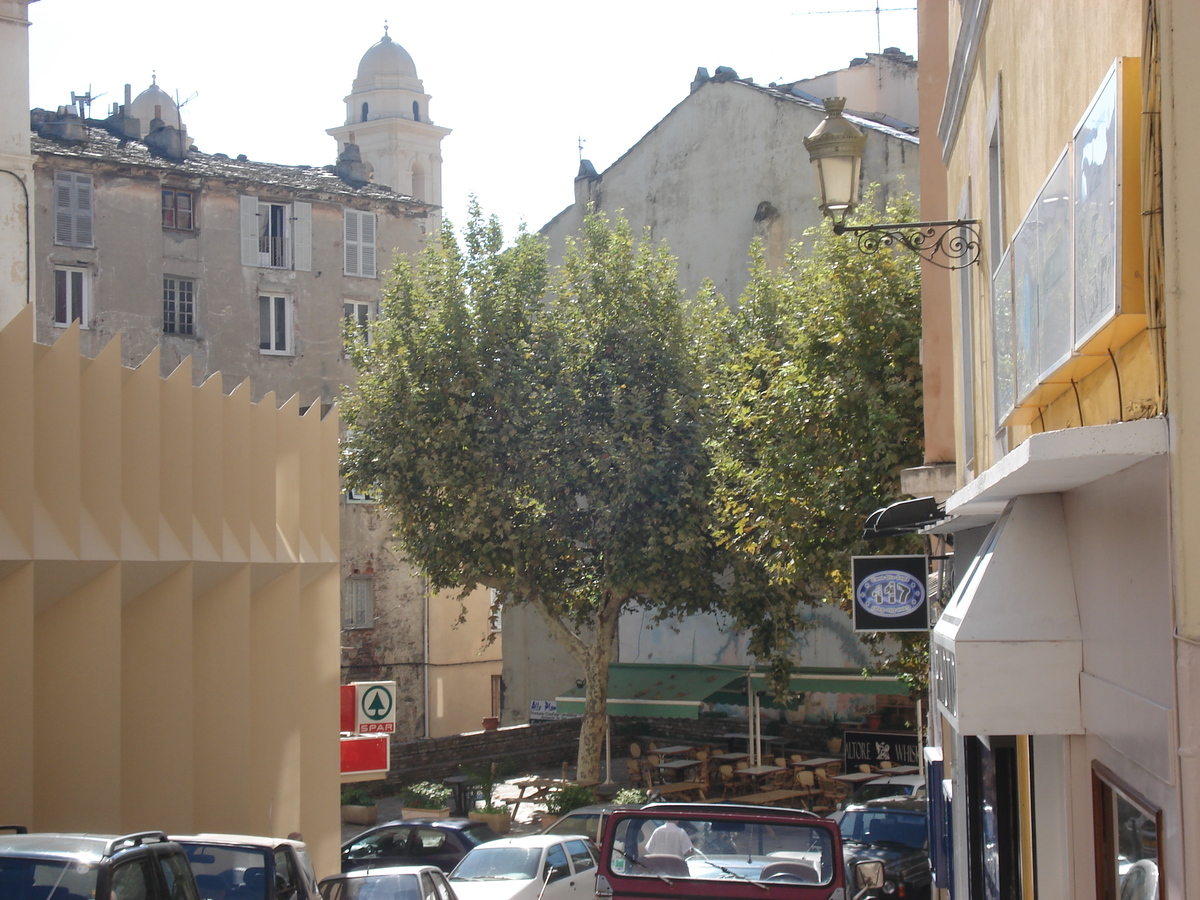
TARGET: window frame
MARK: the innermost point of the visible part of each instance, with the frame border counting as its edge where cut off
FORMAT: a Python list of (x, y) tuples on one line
[(179, 308), (172, 210), (1107, 786), (84, 300), (361, 314), (358, 602), (277, 303)]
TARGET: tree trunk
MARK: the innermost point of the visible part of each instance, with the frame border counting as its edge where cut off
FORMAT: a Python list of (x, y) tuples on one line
[(593, 657)]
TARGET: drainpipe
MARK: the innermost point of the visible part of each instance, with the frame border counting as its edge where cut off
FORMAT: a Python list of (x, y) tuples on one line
[(425, 646)]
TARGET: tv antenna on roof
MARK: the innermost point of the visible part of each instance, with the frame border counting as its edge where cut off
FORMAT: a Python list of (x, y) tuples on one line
[(582, 141), (83, 102), (878, 10)]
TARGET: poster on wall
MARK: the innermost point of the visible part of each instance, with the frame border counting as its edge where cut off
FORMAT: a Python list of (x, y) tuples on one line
[(889, 593), (873, 748)]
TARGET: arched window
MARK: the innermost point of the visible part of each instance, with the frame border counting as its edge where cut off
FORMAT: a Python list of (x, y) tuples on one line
[(364, 112), (418, 181), (416, 111)]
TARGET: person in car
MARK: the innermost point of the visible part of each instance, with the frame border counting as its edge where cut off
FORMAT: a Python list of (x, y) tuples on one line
[(670, 839)]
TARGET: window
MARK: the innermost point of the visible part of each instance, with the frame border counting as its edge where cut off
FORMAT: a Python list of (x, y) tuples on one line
[(178, 209), (360, 243), (1127, 837), (495, 612), (179, 305), (274, 324), (358, 314), (72, 296), (276, 234), (358, 602), (73, 209)]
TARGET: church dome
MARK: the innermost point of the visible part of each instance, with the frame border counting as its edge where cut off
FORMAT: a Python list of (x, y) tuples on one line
[(385, 62), (145, 102)]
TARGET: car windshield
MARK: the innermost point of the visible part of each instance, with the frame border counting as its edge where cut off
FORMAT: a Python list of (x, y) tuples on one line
[(884, 826), (381, 887), (499, 864), (236, 873), (42, 879), (685, 846)]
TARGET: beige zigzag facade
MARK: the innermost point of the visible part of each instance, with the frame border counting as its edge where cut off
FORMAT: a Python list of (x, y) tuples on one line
[(168, 600)]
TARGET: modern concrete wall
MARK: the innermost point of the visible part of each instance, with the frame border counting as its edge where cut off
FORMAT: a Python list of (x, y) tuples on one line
[(169, 600)]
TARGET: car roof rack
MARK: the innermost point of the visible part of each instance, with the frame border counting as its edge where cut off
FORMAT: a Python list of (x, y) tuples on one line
[(134, 840)]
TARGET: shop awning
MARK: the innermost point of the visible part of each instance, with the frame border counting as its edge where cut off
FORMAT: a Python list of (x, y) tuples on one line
[(1008, 650), (680, 691)]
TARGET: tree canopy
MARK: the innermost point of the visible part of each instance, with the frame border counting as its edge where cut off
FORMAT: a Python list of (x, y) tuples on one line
[(583, 439), (542, 436)]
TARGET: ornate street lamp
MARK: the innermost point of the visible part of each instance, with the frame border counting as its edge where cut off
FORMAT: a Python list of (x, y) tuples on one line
[(836, 149)]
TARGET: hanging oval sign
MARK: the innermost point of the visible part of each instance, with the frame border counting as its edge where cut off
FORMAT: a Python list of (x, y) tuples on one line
[(890, 594)]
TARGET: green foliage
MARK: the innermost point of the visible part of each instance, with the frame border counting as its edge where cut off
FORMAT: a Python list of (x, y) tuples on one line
[(426, 795), (357, 796), (569, 797), (631, 796), (815, 384)]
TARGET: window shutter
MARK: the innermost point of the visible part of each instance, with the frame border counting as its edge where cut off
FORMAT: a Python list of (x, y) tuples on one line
[(368, 245), (249, 216), (351, 242), (83, 210), (64, 219), (73, 209), (302, 235)]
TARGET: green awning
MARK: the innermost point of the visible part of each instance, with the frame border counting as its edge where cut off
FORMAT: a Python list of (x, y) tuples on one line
[(679, 691)]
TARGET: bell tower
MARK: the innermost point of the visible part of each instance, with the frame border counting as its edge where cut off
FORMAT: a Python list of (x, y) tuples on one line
[(387, 116)]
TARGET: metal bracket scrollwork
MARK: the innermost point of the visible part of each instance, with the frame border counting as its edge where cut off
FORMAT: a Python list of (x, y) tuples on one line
[(950, 245)]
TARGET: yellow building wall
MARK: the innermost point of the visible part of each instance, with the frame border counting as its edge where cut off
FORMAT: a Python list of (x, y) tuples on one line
[(169, 601), (461, 662), (1039, 109)]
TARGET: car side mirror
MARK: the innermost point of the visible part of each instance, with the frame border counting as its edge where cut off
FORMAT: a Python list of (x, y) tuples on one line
[(867, 875)]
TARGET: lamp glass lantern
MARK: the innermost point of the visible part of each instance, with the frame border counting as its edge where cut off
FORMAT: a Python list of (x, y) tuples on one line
[(836, 150)]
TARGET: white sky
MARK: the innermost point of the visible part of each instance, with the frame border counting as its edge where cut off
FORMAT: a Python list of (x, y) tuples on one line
[(519, 83)]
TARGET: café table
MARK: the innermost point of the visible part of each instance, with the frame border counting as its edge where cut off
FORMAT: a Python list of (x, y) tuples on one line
[(817, 762), (676, 750), (858, 777), (676, 767)]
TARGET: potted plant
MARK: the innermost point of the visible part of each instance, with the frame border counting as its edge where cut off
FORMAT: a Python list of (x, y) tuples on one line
[(358, 807), (426, 800), (495, 814), (833, 735)]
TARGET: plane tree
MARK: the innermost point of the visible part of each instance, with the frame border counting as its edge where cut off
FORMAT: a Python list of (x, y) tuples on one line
[(545, 434)]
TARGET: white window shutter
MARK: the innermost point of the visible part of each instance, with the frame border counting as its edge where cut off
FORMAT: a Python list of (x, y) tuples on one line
[(368, 245), (83, 210), (249, 216), (302, 236), (64, 219), (351, 256)]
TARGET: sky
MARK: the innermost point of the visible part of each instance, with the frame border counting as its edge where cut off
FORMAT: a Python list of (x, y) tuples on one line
[(519, 83)]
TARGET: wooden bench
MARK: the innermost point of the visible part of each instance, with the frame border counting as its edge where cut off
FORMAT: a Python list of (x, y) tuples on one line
[(682, 789), (767, 798)]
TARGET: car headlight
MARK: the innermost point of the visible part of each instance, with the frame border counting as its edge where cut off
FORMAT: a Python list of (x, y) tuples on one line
[(889, 887)]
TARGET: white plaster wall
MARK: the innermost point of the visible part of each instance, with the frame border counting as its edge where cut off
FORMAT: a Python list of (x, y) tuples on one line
[(16, 179), (698, 177), (866, 90)]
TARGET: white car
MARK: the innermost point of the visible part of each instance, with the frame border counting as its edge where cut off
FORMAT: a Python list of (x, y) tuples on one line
[(388, 883), (545, 866)]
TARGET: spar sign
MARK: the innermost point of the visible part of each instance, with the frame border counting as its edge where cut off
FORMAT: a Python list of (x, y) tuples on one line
[(369, 707), (889, 593)]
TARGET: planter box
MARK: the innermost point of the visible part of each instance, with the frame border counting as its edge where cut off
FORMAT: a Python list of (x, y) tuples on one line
[(500, 822), (360, 815), (410, 812)]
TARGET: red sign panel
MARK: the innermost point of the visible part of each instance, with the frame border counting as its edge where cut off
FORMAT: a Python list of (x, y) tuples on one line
[(364, 754)]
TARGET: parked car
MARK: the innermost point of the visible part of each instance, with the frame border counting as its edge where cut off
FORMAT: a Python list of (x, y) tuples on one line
[(533, 867), (242, 867), (389, 883), (896, 831), (888, 786), (586, 820), (142, 866), (415, 842), (727, 850)]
